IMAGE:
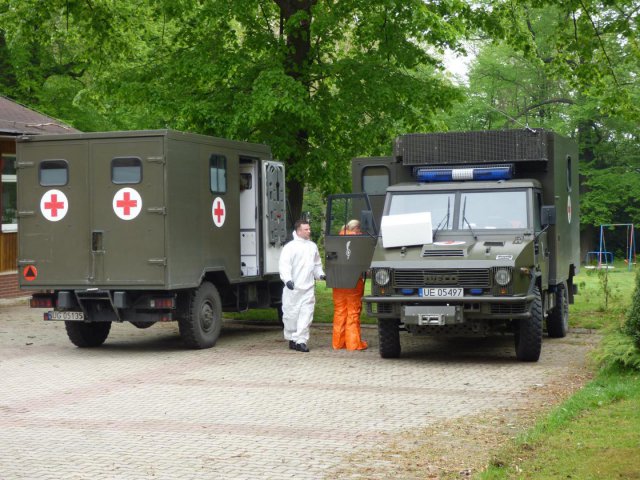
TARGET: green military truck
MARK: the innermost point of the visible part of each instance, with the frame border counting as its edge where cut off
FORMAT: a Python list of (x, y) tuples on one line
[(148, 226), (468, 234)]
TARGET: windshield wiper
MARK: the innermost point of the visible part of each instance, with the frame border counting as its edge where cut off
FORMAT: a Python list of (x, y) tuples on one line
[(464, 219), (446, 217)]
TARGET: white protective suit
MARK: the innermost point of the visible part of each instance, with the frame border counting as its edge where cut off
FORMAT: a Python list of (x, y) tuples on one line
[(299, 263)]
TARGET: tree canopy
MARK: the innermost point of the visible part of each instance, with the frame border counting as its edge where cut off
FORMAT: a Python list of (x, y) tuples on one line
[(318, 81), (571, 67), (322, 81)]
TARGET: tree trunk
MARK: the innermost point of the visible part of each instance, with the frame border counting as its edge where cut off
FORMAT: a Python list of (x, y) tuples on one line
[(298, 48), (295, 195)]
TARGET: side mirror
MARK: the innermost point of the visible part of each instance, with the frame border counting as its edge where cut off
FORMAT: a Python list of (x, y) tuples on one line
[(548, 215), (366, 221)]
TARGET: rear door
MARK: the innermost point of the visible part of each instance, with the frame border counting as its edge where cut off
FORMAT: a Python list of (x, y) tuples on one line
[(127, 211), (348, 256), (53, 218), (274, 221)]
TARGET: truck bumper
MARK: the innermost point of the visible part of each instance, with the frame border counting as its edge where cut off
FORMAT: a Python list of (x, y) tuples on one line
[(428, 311)]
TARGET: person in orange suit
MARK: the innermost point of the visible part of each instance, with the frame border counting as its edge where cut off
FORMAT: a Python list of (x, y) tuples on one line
[(347, 305)]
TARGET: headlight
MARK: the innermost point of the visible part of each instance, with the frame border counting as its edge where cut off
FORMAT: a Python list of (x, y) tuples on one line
[(382, 277), (503, 277)]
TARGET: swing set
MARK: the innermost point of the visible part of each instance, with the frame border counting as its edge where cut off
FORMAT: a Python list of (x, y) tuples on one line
[(605, 258)]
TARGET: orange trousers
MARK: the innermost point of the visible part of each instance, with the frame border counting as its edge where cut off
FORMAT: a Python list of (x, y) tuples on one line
[(347, 305)]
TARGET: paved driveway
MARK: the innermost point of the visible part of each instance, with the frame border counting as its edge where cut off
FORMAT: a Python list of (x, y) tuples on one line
[(142, 407)]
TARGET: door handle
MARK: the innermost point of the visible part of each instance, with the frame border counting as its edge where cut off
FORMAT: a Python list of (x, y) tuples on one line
[(331, 255)]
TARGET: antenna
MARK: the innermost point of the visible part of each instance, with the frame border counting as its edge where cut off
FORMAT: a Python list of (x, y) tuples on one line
[(525, 126)]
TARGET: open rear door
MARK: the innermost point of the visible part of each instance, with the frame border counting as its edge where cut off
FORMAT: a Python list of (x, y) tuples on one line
[(347, 256), (274, 220)]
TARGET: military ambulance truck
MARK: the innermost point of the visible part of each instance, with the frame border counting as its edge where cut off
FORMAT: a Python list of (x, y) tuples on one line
[(148, 226), (468, 234)]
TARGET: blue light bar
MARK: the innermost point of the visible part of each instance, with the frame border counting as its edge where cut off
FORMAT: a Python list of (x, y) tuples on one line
[(498, 172)]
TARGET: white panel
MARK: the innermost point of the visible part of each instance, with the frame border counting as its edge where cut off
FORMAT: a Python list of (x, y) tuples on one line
[(248, 198), (406, 229), (247, 243), (248, 265)]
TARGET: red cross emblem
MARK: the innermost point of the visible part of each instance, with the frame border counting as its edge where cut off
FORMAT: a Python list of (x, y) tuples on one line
[(127, 203), (54, 205), (218, 211)]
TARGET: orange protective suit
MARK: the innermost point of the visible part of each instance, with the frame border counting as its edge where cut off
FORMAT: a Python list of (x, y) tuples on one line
[(347, 305)]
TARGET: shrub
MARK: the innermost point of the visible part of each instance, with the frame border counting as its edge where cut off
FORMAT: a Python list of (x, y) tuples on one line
[(618, 349), (632, 324)]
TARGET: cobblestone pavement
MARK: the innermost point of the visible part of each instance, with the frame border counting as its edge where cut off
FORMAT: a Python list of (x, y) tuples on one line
[(142, 407)]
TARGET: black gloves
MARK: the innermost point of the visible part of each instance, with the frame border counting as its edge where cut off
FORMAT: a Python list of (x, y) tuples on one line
[(323, 277), (290, 285)]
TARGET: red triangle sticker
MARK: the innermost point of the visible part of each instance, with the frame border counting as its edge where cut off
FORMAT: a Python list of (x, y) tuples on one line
[(30, 273)]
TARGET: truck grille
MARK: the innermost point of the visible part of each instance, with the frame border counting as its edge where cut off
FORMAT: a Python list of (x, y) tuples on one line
[(468, 278), (508, 308), (442, 253)]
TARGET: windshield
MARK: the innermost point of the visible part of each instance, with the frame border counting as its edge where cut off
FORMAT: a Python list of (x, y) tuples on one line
[(491, 210), (439, 204)]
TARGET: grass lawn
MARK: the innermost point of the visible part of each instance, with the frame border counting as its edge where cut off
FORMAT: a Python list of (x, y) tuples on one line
[(603, 296), (596, 433), (323, 312)]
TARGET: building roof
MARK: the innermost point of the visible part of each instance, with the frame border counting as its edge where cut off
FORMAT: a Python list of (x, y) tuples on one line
[(17, 120)]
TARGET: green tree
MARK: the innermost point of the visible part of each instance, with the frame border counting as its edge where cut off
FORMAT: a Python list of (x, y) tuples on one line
[(320, 81), (571, 71)]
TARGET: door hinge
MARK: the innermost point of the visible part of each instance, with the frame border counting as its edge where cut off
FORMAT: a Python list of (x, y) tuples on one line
[(23, 164), (26, 213), (158, 261), (159, 159), (160, 210)]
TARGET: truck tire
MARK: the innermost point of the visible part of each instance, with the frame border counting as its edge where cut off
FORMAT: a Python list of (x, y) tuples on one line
[(87, 335), (528, 333), (389, 337), (142, 325), (201, 324), (558, 319)]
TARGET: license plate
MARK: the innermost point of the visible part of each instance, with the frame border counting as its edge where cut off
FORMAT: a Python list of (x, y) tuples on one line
[(65, 315), (441, 292)]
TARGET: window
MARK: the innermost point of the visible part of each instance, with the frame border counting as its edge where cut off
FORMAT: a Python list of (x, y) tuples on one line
[(440, 205), (569, 173), (53, 173), (218, 173), (126, 170), (493, 210), (375, 180), (8, 189)]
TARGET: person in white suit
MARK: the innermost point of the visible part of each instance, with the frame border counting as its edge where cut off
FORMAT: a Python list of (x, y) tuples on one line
[(299, 267)]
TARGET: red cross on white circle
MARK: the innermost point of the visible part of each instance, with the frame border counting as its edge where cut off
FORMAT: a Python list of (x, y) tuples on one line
[(127, 203), (54, 205), (218, 212)]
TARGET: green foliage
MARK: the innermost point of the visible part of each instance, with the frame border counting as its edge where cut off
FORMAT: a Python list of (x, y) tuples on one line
[(632, 325), (618, 348), (565, 68), (320, 82)]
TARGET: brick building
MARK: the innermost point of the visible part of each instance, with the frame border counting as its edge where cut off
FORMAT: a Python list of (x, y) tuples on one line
[(15, 120)]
